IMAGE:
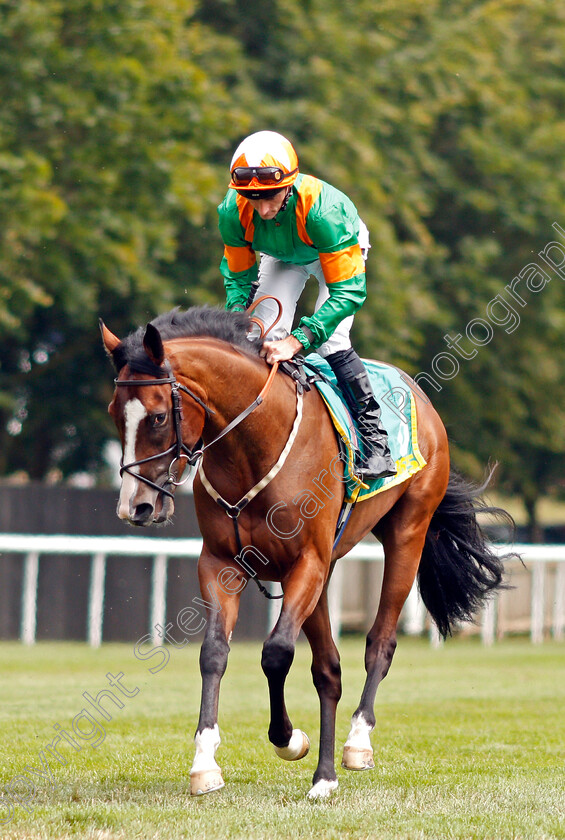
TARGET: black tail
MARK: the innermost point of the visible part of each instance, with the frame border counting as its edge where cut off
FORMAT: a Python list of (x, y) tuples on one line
[(458, 569)]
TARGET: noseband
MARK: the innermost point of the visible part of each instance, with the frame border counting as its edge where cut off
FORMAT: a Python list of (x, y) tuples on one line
[(180, 449)]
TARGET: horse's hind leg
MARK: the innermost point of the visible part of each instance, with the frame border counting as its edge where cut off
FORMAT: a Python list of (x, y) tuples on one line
[(326, 674), (403, 543)]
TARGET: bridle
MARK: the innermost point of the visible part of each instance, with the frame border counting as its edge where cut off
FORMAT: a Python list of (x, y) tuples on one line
[(178, 448), (181, 450)]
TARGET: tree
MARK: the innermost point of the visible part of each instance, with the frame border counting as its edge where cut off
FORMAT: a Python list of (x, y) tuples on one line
[(443, 121), (110, 137)]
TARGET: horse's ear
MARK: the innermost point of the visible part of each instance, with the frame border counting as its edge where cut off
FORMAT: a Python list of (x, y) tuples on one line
[(109, 340), (153, 344)]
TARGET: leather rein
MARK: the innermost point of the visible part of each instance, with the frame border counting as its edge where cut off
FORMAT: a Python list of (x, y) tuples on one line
[(180, 450)]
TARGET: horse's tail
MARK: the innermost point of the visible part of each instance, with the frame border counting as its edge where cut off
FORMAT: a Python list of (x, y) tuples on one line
[(458, 570)]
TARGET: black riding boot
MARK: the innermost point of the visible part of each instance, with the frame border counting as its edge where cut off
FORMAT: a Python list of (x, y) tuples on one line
[(354, 383)]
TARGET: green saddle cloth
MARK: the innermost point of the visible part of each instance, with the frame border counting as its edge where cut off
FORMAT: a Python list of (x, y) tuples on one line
[(398, 414)]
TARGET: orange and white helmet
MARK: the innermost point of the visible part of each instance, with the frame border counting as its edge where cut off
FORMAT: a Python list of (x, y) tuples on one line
[(264, 161)]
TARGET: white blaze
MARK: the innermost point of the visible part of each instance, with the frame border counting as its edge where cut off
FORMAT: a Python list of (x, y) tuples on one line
[(134, 412)]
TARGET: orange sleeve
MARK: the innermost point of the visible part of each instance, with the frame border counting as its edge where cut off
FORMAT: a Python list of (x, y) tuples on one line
[(342, 265), (239, 258)]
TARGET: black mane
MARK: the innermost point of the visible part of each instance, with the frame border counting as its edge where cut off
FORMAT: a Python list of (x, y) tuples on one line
[(205, 321)]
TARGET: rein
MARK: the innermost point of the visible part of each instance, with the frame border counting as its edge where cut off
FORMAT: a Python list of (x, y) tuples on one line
[(233, 511), (181, 450)]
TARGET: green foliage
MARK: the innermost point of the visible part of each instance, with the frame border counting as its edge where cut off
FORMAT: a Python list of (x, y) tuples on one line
[(108, 138), (444, 122)]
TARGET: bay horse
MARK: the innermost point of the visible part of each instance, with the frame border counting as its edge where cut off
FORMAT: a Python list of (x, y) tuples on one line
[(191, 384)]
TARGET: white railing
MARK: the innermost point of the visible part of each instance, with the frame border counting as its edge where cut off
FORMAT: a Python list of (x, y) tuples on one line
[(98, 548), (538, 557)]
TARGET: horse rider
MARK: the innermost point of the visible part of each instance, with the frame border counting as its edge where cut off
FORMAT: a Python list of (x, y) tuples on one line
[(301, 226)]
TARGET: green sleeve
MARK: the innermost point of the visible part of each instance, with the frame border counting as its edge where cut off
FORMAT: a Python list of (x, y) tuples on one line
[(345, 299), (333, 222), (236, 283), (333, 226)]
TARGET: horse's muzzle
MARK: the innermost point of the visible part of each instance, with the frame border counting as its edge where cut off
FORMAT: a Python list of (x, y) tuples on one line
[(145, 513)]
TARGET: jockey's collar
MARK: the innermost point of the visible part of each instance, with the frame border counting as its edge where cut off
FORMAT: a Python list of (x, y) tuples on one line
[(284, 205)]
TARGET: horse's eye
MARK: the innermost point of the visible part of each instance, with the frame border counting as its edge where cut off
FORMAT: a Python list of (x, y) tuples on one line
[(158, 420)]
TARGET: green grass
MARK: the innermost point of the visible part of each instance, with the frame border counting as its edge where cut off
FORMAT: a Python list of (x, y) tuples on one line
[(469, 743)]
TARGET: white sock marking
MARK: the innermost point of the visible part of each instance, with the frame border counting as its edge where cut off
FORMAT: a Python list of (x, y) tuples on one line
[(207, 742), (359, 734), (322, 789)]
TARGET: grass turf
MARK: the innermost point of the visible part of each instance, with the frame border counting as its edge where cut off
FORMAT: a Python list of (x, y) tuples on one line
[(469, 743)]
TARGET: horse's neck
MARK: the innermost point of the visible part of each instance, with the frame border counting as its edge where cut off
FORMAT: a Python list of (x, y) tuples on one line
[(231, 380)]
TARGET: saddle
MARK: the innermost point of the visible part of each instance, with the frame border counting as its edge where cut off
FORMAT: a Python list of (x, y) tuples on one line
[(398, 414)]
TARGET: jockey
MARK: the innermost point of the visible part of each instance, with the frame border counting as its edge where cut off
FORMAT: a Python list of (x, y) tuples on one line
[(301, 226)]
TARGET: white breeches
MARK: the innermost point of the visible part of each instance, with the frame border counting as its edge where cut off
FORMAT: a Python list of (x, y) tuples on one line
[(286, 282)]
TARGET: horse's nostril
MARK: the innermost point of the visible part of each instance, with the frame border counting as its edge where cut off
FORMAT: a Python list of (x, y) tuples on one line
[(142, 513)]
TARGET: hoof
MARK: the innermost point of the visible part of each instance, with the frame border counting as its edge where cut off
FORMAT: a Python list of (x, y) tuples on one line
[(297, 747), (322, 789), (205, 781), (357, 758)]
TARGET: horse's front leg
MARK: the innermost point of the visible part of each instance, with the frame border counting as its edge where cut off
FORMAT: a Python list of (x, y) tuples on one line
[(301, 594), (221, 588)]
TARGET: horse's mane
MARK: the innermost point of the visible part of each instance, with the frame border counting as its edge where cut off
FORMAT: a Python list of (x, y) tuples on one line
[(201, 321)]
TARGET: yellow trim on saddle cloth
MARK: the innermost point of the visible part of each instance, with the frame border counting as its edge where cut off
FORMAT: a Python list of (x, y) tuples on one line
[(406, 466), (349, 467)]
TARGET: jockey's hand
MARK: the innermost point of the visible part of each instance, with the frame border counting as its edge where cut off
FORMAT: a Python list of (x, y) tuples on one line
[(281, 351)]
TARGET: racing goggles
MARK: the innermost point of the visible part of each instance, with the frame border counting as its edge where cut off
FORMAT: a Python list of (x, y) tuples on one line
[(267, 176)]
